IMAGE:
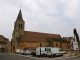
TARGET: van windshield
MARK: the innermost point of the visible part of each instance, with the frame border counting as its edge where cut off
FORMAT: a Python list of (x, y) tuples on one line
[(47, 49)]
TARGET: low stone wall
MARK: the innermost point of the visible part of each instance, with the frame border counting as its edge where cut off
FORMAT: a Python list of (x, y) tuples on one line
[(71, 53)]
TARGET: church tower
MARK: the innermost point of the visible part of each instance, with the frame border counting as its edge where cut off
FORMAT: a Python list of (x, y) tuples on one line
[(19, 25), (18, 30)]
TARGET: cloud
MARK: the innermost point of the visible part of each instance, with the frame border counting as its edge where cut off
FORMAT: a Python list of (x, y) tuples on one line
[(48, 16)]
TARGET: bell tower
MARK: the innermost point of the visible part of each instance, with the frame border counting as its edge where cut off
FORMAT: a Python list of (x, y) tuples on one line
[(19, 25), (18, 30)]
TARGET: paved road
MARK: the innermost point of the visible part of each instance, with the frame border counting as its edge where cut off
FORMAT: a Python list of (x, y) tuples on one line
[(9, 56), (6, 56)]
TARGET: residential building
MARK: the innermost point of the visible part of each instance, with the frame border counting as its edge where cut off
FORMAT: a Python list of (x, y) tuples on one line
[(4, 44)]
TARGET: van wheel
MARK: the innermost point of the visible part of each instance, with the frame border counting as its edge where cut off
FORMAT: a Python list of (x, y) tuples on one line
[(38, 55), (43, 55), (51, 56), (54, 55)]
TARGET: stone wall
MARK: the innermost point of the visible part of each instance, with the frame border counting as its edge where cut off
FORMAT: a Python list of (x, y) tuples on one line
[(32, 45), (71, 53)]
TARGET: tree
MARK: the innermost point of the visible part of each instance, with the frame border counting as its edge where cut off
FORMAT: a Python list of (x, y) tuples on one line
[(75, 31), (77, 37)]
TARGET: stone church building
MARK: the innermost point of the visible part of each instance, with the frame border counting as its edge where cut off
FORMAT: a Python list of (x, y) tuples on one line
[(31, 40)]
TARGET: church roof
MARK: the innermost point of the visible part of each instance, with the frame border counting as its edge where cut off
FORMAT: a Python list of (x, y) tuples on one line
[(30, 36), (19, 17), (67, 38)]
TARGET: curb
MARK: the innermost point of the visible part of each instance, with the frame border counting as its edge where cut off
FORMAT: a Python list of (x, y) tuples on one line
[(46, 57)]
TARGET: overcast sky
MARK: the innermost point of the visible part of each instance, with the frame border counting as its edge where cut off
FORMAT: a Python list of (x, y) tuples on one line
[(47, 16)]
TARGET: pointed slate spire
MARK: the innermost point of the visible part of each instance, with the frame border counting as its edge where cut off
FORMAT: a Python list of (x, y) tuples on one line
[(19, 17)]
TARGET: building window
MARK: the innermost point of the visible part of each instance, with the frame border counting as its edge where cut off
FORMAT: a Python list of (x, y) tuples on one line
[(19, 25)]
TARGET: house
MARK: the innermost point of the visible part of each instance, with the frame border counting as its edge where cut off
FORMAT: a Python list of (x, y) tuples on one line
[(4, 47)]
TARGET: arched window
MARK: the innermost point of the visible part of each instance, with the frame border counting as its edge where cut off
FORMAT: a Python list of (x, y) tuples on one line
[(19, 25)]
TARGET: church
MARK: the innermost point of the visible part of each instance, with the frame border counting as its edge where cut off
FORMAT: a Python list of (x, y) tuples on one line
[(22, 39)]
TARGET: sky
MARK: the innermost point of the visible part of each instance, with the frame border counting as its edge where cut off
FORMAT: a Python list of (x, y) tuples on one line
[(46, 16)]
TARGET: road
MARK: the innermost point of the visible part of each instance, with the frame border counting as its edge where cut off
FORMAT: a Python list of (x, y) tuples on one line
[(7, 56), (10, 56)]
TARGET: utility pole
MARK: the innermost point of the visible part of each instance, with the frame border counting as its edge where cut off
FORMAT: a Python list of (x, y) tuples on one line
[(40, 48)]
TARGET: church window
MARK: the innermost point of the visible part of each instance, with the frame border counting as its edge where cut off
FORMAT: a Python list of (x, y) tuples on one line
[(19, 25)]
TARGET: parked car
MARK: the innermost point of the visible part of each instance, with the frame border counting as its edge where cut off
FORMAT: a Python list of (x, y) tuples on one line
[(30, 51), (33, 53), (21, 51), (27, 52), (18, 51)]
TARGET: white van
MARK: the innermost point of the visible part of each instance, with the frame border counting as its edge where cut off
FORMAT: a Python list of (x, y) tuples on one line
[(54, 51), (43, 51), (27, 52)]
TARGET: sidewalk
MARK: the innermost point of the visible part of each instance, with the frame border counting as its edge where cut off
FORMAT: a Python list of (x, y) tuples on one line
[(44, 58)]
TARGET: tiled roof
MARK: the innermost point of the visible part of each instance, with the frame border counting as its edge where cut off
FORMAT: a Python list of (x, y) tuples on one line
[(37, 36), (67, 38), (1, 35), (3, 41), (55, 39)]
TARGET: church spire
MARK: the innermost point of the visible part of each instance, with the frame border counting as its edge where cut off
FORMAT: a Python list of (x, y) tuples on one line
[(19, 17)]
